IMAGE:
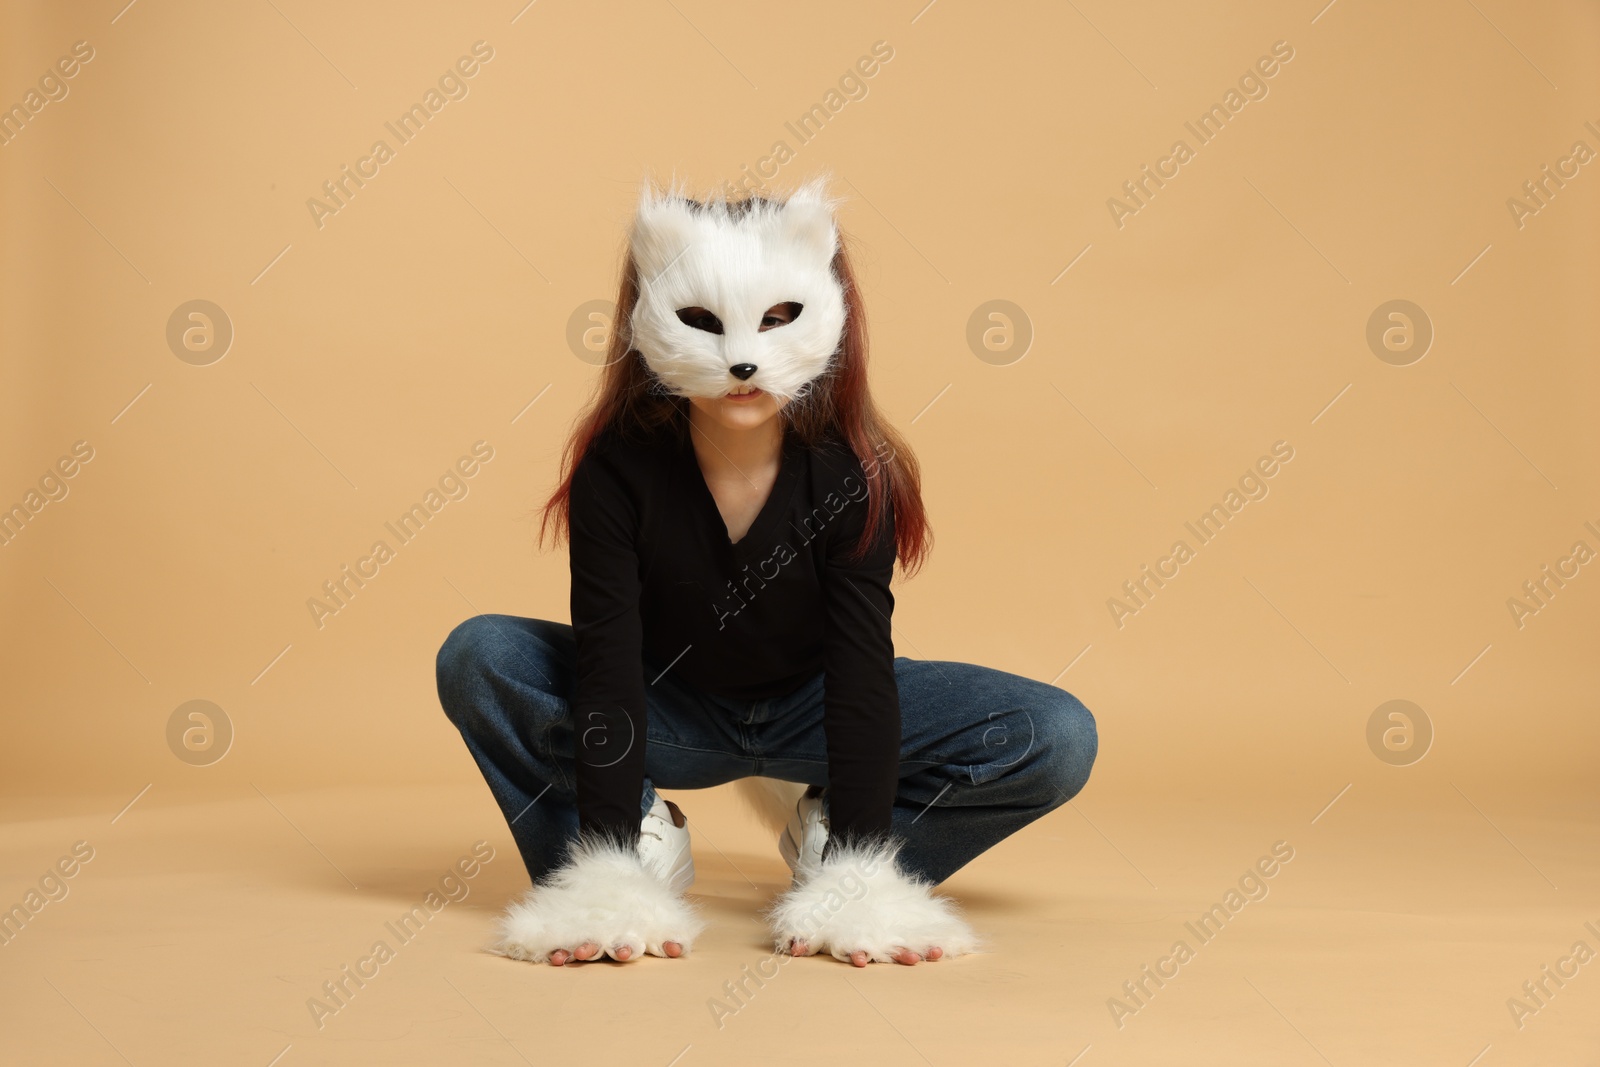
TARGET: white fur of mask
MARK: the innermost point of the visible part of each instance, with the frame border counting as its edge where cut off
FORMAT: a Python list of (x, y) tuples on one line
[(737, 265)]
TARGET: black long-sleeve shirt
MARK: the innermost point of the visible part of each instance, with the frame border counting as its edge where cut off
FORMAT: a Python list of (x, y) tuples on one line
[(655, 577)]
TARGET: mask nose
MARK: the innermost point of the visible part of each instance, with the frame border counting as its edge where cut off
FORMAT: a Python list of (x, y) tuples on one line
[(742, 371)]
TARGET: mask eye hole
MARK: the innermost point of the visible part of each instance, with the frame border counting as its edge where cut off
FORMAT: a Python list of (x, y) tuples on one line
[(781, 315), (700, 318)]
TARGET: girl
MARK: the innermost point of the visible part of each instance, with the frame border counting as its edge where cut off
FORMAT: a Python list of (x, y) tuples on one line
[(735, 506)]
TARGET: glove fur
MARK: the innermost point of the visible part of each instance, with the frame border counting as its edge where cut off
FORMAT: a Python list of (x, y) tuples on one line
[(860, 899), (605, 894)]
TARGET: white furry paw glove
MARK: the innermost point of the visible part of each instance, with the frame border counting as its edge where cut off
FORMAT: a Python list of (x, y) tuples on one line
[(605, 894), (860, 900)]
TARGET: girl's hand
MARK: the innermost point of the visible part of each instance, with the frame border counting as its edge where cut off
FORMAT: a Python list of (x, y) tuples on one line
[(861, 957), (590, 951)]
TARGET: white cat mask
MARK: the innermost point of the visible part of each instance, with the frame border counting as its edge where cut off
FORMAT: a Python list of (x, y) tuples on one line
[(737, 261)]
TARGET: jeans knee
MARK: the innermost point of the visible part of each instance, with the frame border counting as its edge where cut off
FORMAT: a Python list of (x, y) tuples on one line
[(1072, 741), (461, 657), (491, 666)]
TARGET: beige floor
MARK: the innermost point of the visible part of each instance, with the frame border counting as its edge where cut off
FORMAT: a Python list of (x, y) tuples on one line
[(201, 929)]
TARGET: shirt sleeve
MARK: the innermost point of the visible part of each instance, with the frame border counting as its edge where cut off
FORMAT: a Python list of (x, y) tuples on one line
[(861, 712), (608, 701)]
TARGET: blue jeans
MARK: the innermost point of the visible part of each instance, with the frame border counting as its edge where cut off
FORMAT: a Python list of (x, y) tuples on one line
[(984, 753)]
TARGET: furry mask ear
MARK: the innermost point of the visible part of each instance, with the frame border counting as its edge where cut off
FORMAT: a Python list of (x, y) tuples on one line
[(808, 222), (736, 261)]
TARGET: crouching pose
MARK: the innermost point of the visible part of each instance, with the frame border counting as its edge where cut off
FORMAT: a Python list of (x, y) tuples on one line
[(735, 506)]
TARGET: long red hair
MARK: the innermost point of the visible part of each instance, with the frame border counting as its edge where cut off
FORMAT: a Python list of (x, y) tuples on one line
[(839, 405)]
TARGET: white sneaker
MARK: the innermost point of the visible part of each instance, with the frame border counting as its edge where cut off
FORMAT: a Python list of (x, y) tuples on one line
[(807, 833), (664, 845)]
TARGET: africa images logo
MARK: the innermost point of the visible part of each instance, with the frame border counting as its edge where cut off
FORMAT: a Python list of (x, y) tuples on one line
[(452, 85), (853, 490)]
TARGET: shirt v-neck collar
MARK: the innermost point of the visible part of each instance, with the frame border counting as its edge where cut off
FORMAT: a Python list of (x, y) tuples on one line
[(772, 509)]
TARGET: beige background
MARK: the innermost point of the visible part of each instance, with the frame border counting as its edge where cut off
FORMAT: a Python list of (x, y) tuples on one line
[(1167, 355)]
